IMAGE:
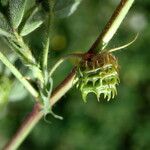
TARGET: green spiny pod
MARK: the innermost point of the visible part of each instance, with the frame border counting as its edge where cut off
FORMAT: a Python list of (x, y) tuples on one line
[(98, 74)]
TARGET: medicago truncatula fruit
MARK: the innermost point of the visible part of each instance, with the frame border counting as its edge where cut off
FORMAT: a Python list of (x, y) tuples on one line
[(99, 75)]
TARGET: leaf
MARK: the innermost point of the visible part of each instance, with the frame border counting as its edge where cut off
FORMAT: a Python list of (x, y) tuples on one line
[(16, 8), (34, 21), (5, 29), (65, 8)]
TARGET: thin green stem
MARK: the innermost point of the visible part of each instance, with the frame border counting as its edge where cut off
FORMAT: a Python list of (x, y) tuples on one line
[(45, 54), (26, 50), (49, 29), (18, 75), (123, 46), (16, 49), (57, 64), (46, 48)]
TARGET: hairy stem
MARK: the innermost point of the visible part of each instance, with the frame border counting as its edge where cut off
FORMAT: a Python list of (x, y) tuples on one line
[(49, 29), (103, 39), (26, 51), (15, 49)]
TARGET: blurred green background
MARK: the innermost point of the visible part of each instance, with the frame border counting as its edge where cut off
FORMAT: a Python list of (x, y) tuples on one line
[(121, 124)]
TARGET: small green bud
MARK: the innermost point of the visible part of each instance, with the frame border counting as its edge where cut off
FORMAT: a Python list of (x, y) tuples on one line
[(99, 75)]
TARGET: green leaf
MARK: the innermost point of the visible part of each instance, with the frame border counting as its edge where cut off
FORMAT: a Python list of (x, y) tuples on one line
[(65, 8), (5, 29), (16, 8), (34, 21)]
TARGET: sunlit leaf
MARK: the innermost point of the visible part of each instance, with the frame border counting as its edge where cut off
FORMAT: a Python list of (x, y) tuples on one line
[(65, 8), (16, 8), (5, 29), (34, 21)]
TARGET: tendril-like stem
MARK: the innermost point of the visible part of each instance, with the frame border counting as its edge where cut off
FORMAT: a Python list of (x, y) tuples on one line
[(58, 63), (123, 46)]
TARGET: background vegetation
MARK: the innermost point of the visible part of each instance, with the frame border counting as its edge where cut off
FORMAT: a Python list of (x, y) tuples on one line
[(122, 123)]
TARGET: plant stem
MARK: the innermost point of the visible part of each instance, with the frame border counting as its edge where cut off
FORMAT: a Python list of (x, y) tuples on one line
[(25, 128), (16, 49), (37, 114), (45, 54), (57, 64), (46, 48), (18, 75), (100, 43), (26, 51), (49, 29), (111, 27)]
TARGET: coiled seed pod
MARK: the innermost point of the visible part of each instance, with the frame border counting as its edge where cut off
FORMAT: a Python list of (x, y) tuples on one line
[(98, 74)]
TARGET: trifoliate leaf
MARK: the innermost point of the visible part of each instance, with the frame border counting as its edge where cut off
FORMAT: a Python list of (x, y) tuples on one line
[(16, 8), (34, 21), (5, 29), (65, 8)]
